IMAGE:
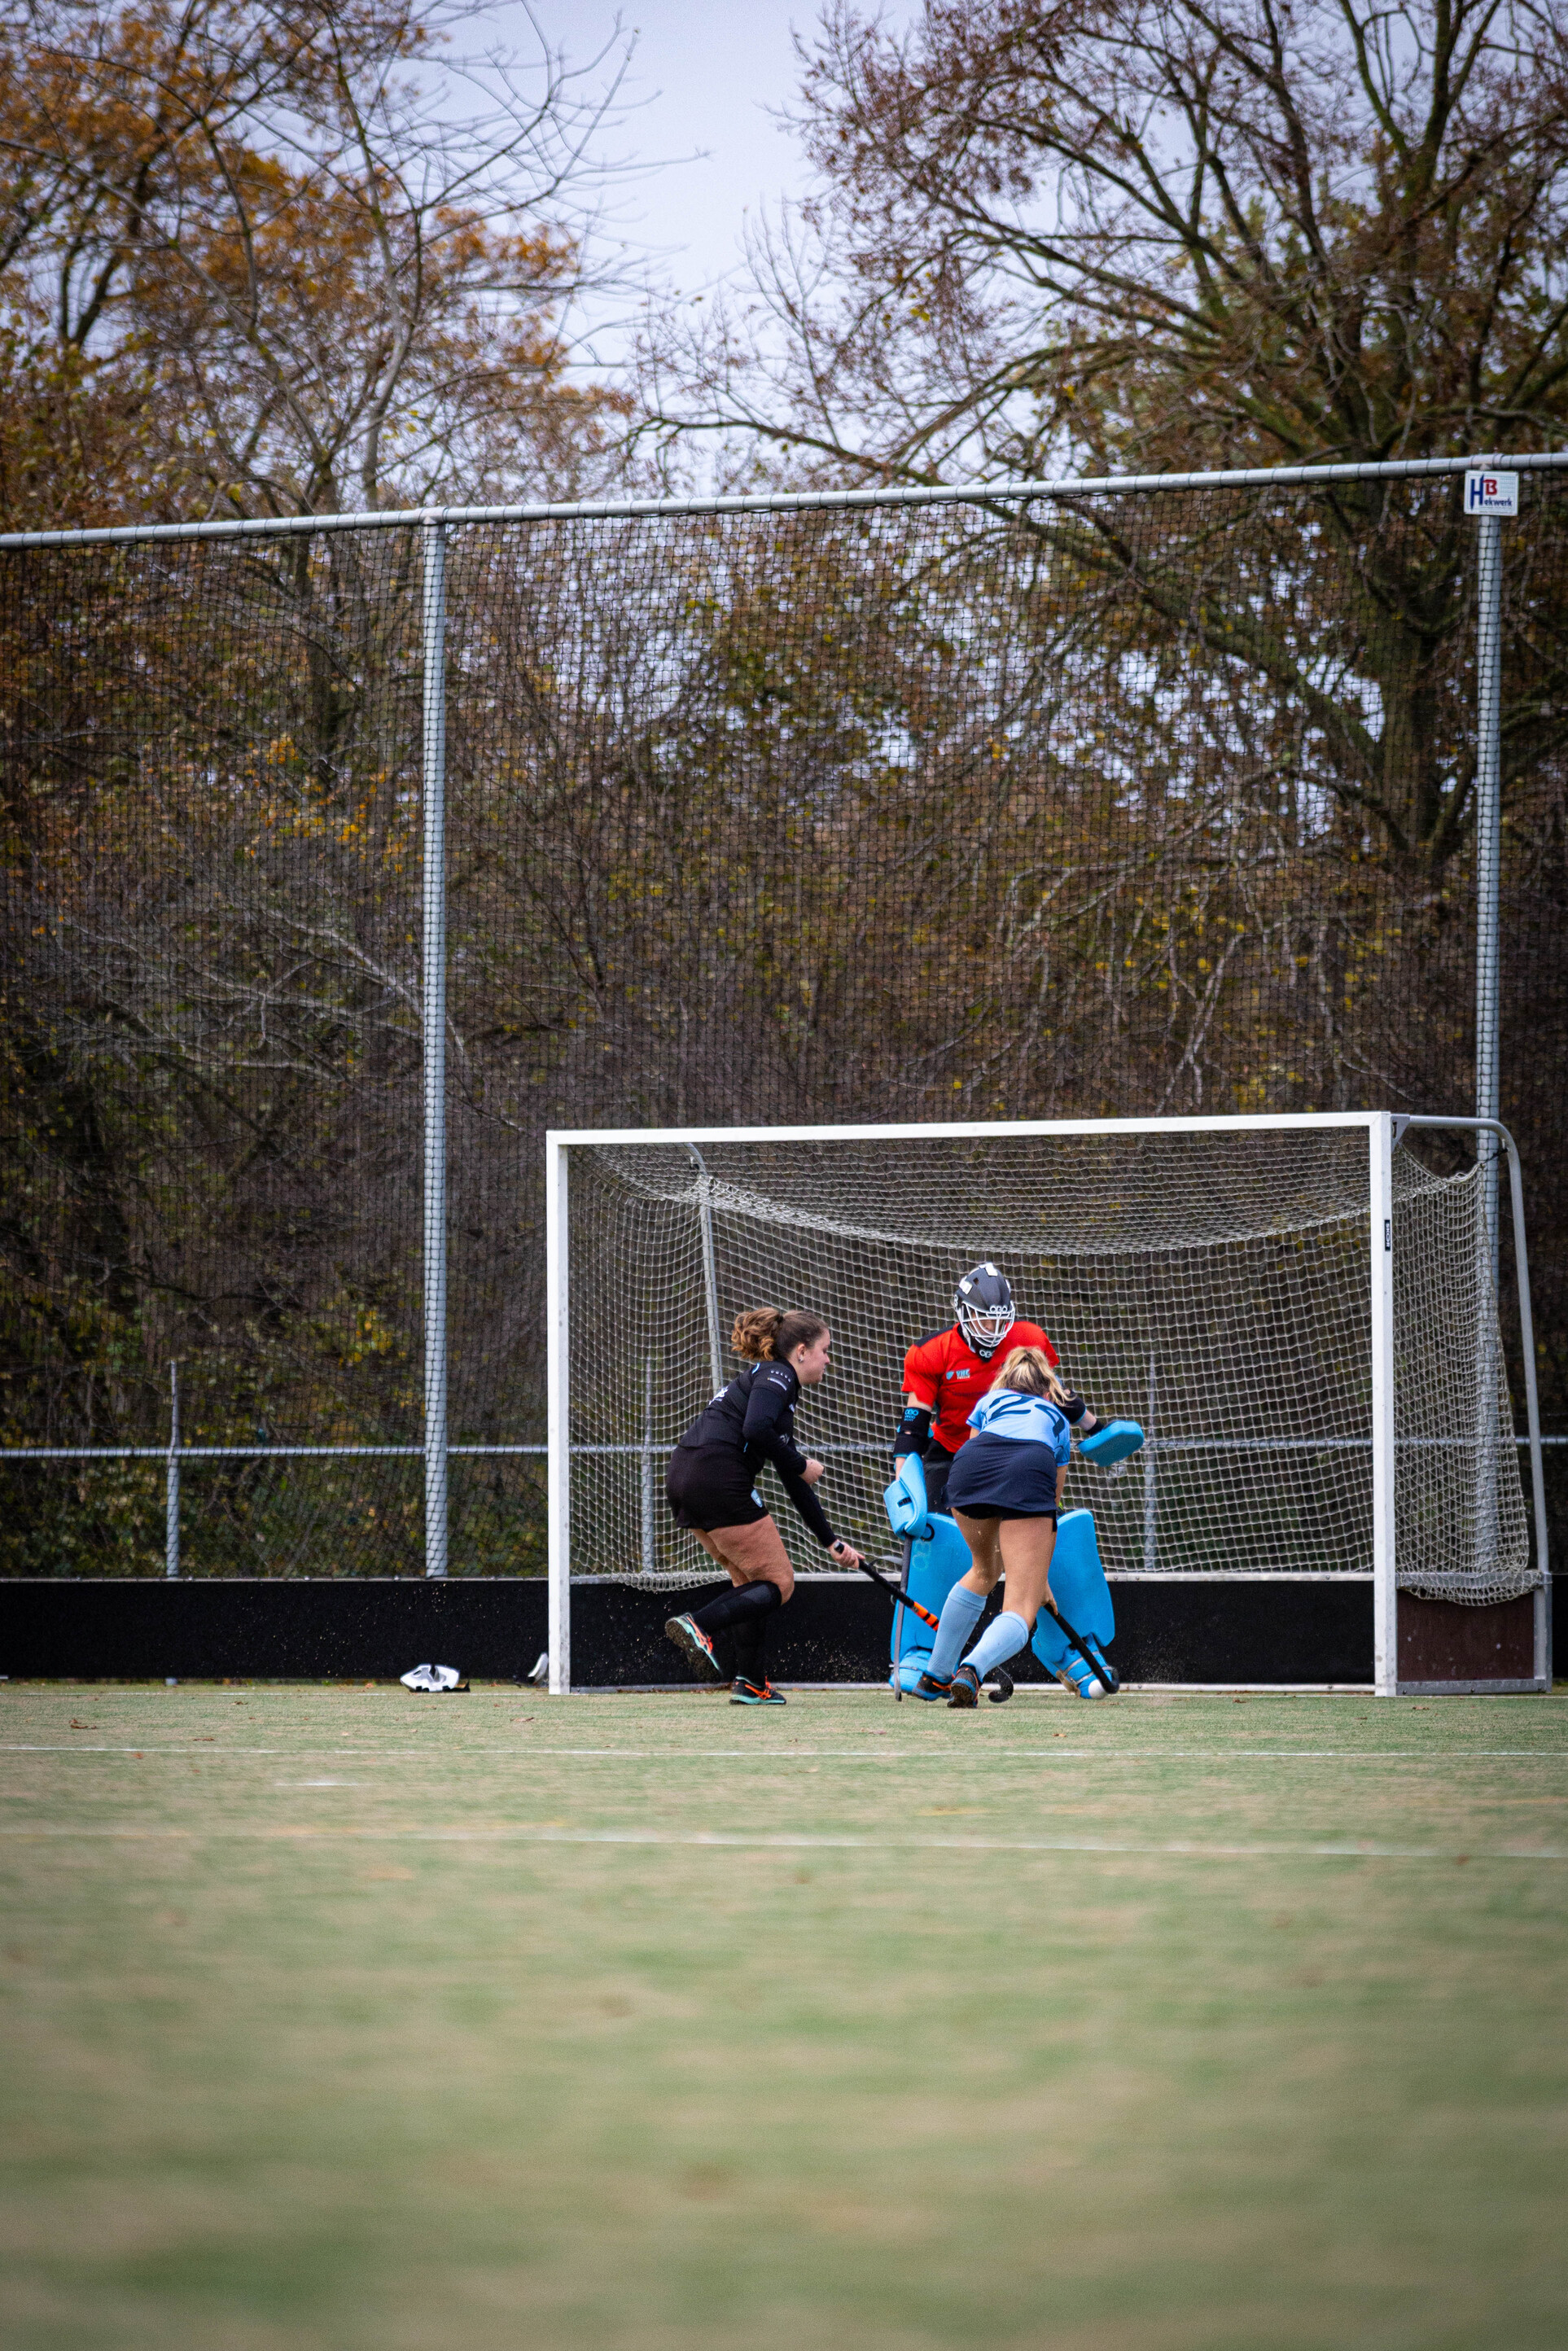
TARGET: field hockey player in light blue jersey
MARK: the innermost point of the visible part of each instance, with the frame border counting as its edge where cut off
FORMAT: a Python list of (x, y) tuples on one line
[(1005, 1490)]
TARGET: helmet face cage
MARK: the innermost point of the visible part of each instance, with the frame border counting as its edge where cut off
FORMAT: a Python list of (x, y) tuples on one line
[(983, 1303)]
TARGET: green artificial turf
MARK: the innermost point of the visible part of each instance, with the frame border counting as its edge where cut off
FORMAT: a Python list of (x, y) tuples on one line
[(342, 2018)]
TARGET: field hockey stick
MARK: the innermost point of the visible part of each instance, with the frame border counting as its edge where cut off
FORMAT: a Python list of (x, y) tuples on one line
[(901, 1602), (901, 1599), (898, 1594), (1099, 1665)]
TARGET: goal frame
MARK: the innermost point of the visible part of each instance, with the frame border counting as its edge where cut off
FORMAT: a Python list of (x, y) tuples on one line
[(1383, 1129)]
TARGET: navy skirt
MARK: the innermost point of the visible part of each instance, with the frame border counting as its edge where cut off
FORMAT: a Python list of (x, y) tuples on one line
[(1003, 1478)]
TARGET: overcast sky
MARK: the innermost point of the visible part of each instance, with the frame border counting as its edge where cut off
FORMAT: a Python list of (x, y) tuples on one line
[(704, 76)]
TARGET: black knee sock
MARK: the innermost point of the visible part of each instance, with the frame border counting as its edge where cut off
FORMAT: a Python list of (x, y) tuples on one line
[(750, 1649), (743, 1612), (743, 1603)]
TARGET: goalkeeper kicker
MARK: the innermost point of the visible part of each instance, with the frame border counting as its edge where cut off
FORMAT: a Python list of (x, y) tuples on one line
[(949, 1371)]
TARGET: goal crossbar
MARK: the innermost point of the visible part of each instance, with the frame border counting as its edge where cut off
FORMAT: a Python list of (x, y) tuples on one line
[(980, 1130)]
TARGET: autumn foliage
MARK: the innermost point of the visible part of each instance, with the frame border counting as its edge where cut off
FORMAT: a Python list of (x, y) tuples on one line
[(279, 259)]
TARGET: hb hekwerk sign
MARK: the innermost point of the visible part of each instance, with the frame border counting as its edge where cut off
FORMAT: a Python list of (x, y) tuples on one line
[(1491, 493)]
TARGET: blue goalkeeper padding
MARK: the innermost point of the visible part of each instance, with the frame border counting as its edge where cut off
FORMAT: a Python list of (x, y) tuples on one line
[(940, 1557), (1106, 1448), (1078, 1586), (938, 1561), (904, 1500)]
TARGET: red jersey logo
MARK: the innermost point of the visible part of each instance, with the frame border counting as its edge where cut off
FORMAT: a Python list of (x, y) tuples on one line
[(947, 1379)]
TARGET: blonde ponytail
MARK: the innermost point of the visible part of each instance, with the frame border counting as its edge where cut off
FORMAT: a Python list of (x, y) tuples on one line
[(1031, 1372)]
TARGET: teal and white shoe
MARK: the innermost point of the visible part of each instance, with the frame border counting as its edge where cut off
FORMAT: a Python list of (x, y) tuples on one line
[(744, 1693), (1077, 1676), (695, 1645)]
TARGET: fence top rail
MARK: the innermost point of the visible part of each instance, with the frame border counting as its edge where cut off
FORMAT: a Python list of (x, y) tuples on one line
[(787, 501)]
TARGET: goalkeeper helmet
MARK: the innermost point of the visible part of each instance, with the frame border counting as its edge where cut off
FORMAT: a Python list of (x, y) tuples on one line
[(983, 1303)]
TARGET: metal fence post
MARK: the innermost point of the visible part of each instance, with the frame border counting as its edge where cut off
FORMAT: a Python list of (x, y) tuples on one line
[(710, 1274), (171, 1479), (1481, 498), (1489, 847), (433, 974)]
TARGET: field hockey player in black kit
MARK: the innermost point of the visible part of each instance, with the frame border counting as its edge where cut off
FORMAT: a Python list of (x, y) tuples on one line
[(711, 1491)]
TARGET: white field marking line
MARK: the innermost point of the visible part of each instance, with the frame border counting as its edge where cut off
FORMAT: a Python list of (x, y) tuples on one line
[(522, 1748), (1180, 1849)]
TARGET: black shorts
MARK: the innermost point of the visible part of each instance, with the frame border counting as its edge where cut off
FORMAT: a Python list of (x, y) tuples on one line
[(709, 1486), (1003, 1478), (936, 1466), (996, 1511)]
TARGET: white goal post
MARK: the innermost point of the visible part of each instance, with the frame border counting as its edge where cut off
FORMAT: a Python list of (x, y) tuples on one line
[(1300, 1310)]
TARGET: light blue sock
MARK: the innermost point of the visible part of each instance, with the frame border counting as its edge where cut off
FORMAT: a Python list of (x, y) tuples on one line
[(961, 1611), (998, 1642)]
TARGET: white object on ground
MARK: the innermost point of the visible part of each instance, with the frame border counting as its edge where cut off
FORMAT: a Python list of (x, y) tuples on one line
[(431, 1679)]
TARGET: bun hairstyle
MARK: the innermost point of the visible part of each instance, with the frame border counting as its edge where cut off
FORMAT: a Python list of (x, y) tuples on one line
[(766, 1334), (1029, 1370)]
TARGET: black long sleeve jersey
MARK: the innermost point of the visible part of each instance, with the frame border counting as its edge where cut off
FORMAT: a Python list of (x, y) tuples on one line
[(755, 1414)]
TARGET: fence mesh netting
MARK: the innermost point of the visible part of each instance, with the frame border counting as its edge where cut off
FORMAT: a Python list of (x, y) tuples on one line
[(1104, 804), (1214, 1287)]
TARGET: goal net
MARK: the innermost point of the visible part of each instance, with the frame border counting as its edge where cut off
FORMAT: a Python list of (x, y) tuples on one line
[(1214, 1284)]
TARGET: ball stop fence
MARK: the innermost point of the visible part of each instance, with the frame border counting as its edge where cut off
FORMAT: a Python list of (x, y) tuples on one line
[(345, 855)]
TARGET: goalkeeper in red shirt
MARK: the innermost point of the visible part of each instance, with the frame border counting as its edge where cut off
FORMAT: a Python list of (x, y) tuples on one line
[(948, 1373)]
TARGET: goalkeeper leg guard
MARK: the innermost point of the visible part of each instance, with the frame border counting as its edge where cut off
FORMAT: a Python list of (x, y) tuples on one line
[(1080, 1677), (961, 1611)]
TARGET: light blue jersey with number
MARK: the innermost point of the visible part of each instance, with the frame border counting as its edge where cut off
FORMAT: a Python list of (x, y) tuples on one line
[(1032, 1420)]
